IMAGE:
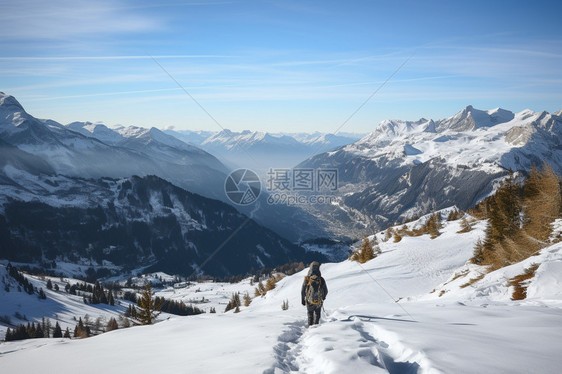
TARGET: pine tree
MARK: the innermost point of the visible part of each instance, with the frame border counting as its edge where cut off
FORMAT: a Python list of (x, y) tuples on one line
[(66, 333), (388, 234), (503, 215), (57, 333), (81, 330), (542, 202), (111, 325), (247, 299), (38, 332), (433, 225), (260, 289), (148, 309), (270, 284), (234, 302), (364, 253), (465, 226)]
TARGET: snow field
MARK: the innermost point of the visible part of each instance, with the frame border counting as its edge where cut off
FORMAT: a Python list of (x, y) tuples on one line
[(471, 329)]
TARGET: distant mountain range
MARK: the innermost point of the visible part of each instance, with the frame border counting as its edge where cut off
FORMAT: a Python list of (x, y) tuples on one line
[(408, 168), (93, 150), (66, 195), (261, 151), (400, 170)]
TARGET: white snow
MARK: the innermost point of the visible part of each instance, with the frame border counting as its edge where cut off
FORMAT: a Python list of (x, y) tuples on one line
[(383, 316), (472, 137)]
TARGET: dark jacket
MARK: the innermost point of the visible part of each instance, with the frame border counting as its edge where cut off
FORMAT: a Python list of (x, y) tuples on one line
[(314, 270)]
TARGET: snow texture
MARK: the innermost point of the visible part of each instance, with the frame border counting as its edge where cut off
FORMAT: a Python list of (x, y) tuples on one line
[(384, 316)]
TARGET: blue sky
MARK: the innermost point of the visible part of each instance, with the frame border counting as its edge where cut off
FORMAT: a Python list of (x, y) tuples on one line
[(277, 65)]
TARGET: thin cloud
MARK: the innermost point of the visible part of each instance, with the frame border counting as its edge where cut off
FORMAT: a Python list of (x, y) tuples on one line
[(46, 98), (78, 58), (37, 19)]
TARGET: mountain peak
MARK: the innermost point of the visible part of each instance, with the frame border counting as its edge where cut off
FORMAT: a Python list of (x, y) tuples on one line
[(471, 119), (9, 101)]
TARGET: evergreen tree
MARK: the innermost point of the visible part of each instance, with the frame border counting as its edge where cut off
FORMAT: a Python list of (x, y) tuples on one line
[(364, 253), (388, 234), (66, 333), (148, 309), (465, 226), (270, 284), (112, 325), (504, 210), (81, 330), (541, 201), (234, 302), (247, 299), (38, 331), (49, 284), (433, 225), (57, 333), (260, 289)]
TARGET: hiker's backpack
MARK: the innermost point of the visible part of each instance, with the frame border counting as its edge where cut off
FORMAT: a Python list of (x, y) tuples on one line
[(314, 290)]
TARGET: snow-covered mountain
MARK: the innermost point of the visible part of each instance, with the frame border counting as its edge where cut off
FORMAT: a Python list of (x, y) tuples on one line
[(94, 150), (327, 142), (260, 151), (255, 150), (413, 309), (124, 224), (190, 136), (408, 168)]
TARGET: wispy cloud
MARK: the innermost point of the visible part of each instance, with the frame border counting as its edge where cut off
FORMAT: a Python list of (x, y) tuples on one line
[(47, 98), (62, 19), (86, 58)]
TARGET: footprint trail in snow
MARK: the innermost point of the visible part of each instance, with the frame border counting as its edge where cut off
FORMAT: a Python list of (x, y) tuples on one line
[(361, 347)]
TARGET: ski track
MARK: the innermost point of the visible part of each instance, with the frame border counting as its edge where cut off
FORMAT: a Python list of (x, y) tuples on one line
[(303, 349)]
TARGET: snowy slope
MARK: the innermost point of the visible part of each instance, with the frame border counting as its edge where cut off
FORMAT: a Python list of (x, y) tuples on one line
[(58, 306), (363, 330)]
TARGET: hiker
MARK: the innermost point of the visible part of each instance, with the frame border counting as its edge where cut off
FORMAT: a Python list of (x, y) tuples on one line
[(313, 293)]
